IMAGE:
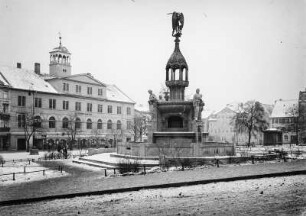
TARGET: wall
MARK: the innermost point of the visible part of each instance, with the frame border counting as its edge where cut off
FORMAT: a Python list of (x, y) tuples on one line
[(177, 150)]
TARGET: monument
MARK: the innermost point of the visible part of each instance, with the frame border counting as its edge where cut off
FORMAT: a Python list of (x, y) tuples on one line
[(175, 120), (176, 128)]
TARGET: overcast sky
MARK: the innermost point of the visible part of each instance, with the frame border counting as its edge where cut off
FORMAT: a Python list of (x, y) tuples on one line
[(236, 50)]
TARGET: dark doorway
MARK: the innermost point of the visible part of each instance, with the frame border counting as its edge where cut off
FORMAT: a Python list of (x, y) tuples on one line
[(21, 144), (175, 122)]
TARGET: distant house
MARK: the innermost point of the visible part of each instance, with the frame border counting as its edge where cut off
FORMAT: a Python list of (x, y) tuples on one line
[(284, 118)]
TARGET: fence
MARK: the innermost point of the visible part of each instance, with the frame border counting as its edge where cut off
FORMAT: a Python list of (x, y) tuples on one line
[(60, 169)]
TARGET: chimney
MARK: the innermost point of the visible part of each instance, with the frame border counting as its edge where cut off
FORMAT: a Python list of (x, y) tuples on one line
[(37, 68), (18, 65)]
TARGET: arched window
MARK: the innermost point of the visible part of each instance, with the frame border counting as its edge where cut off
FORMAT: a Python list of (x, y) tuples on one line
[(65, 122), (118, 125), (99, 125), (109, 124), (89, 124), (77, 123), (52, 122), (37, 122)]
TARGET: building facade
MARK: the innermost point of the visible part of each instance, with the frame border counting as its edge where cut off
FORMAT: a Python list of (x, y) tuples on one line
[(63, 105), (284, 118)]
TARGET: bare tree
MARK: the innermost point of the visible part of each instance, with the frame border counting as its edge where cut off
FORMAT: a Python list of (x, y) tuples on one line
[(251, 119), (30, 124), (72, 129), (139, 126)]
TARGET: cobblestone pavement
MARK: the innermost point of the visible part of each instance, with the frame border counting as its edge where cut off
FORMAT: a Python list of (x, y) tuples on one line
[(267, 196), (87, 181)]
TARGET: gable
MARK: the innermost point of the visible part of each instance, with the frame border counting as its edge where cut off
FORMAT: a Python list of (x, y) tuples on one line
[(85, 78)]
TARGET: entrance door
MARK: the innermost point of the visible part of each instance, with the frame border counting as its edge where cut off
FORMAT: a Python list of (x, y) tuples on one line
[(21, 144)]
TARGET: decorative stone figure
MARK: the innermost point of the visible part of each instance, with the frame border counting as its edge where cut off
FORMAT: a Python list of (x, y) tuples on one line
[(198, 105), (152, 104), (152, 98)]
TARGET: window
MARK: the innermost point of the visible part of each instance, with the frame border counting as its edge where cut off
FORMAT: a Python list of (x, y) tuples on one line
[(64, 70), (77, 123), (109, 124), (100, 108), (21, 100), (89, 90), (99, 125), (65, 122), (286, 138), (128, 110), (52, 122), (65, 105), (100, 92), (65, 87), (78, 89), (37, 102), (129, 125), (89, 124), (5, 95), (78, 106), (118, 125), (89, 107), (109, 109), (52, 103), (21, 120), (118, 110)]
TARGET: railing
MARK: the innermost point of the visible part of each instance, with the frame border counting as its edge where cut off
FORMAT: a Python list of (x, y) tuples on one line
[(60, 169)]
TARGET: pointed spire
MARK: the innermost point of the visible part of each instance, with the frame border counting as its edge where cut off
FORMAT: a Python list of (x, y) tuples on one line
[(60, 39)]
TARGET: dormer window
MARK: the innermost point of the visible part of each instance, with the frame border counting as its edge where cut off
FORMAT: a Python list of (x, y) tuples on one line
[(65, 87), (78, 89), (100, 92), (89, 90)]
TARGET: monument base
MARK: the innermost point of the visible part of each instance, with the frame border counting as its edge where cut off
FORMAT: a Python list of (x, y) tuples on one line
[(176, 149)]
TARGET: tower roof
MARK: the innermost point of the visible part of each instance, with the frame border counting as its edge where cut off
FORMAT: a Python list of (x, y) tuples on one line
[(61, 49), (177, 59)]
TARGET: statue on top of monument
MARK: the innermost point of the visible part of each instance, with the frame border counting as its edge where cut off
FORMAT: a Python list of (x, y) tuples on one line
[(177, 23), (198, 105), (152, 104), (152, 98)]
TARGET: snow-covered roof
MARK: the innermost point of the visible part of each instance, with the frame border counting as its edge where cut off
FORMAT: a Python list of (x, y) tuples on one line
[(24, 79), (142, 107), (284, 108), (115, 94)]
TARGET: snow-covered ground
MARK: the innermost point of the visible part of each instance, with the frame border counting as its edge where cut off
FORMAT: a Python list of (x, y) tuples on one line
[(8, 156), (30, 175), (268, 196)]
